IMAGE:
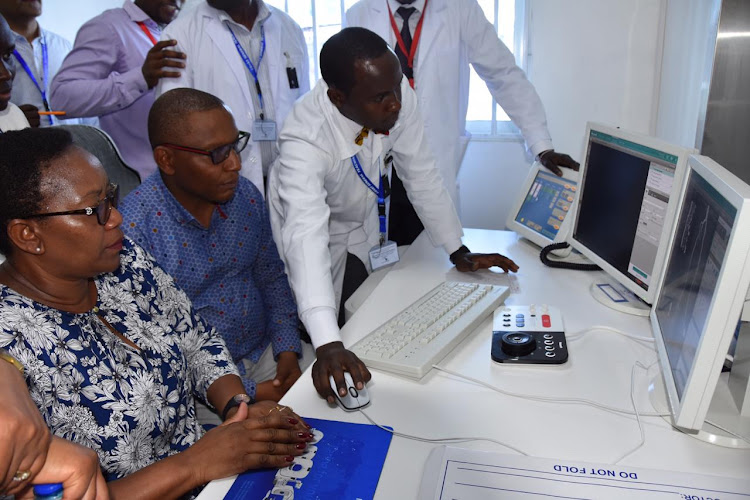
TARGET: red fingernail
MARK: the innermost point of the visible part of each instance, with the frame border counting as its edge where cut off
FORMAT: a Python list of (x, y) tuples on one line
[(293, 421), (302, 434), (289, 458), (301, 446)]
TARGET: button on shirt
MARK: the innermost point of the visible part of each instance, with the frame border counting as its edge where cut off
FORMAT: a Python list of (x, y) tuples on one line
[(230, 270), (25, 90), (102, 77)]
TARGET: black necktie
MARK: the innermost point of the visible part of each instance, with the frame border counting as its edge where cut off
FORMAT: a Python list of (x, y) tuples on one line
[(405, 13)]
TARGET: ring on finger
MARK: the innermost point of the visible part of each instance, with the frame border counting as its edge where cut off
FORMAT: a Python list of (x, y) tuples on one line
[(21, 475)]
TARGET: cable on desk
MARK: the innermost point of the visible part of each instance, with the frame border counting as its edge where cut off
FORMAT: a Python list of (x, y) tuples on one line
[(549, 399), (442, 440), (638, 338), (635, 409), (544, 257)]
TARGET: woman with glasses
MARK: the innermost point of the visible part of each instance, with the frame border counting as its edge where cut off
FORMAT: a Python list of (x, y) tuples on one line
[(113, 351)]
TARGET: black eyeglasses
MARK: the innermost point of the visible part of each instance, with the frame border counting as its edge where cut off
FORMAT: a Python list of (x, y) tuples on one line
[(102, 210), (218, 155)]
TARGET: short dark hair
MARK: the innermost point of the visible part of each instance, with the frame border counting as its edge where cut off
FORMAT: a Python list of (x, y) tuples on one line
[(342, 50), (167, 115), (24, 156)]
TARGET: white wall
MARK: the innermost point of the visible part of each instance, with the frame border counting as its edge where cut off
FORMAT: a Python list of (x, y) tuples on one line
[(64, 17), (591, 60), (689, 44)]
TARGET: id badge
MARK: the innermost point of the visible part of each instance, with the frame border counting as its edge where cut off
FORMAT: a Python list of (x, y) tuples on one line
[(382, 256), (264, 130)]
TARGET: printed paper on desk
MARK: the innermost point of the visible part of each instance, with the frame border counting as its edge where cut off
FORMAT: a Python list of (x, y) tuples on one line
[(460, 473), (344, 463), (486, 277)]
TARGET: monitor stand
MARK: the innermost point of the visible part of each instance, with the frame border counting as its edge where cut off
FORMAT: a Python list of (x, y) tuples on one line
[(614, 295), (730, 405)]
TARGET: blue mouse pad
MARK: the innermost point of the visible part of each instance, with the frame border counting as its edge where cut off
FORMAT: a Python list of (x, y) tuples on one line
[(343, 463)]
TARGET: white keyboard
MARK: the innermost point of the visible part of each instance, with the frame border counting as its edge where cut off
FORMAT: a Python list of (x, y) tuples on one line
[(423, 333)]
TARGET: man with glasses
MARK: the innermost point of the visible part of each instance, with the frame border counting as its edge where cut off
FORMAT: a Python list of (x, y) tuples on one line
[(209, 228), (253, 57)]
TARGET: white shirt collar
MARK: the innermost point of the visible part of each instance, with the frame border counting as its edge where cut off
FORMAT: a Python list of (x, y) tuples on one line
[(417, 4)]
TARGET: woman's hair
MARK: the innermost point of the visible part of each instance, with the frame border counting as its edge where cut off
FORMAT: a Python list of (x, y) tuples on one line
[(24, 155)]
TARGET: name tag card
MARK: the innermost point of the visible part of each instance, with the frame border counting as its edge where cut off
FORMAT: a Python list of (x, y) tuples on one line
[(264, 130), (385, 255)]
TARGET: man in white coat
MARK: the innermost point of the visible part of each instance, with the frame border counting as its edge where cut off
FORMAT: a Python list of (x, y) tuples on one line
[(445, 36), (361, 113), (251, 56)]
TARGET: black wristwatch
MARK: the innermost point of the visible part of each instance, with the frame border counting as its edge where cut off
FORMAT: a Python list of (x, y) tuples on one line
[(458, 253), (234, 402)]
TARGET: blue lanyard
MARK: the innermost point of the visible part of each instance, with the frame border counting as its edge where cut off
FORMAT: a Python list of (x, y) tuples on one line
[(249, 63), (379, 192), (45, 69)]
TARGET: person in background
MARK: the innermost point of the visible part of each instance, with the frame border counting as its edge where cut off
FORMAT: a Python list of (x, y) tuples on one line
[(251, 56), (112, 70), (362, 112), (116, 354), (208, 227), (29, 454), (435, 41), (11, 117), (38, 56)]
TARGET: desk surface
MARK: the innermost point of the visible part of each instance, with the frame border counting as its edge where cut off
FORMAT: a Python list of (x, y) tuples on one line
[(441, 405)]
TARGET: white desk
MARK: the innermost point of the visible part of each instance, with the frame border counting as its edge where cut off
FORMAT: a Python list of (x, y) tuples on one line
[(441, 405)]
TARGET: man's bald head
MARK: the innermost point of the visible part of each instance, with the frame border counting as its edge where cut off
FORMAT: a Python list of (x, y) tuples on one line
[(166, 120)]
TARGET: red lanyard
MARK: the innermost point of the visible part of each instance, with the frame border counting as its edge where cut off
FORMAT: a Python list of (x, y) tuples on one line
[(415, 39), (147, 32)]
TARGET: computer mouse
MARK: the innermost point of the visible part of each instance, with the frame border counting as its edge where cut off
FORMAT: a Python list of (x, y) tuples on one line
[(355, 398)]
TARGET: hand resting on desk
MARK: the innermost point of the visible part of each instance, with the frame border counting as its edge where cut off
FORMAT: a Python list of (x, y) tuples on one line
[(466, 261), (334, 359)]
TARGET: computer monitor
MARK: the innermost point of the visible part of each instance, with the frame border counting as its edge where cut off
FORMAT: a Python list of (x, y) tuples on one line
[(540, 213), (700, 301), (625, 212)]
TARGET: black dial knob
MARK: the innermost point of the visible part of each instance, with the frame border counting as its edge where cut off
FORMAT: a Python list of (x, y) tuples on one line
[(518, 344)]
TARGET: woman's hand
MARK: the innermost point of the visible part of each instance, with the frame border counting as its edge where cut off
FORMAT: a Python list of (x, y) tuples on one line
[(76, 467), (246, 442), (24, 437)]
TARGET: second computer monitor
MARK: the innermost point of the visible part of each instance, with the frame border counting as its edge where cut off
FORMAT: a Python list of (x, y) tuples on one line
[(626, 206)]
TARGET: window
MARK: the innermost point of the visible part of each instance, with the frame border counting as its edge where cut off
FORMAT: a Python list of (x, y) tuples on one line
[(320, 19)]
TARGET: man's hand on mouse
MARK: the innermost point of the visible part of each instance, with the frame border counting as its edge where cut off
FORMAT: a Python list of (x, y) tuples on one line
[(334, 359), (466, 261)]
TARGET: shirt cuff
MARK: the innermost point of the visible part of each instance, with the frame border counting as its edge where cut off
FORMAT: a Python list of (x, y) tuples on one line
[(539, 147), (453, 245), (322, 325)]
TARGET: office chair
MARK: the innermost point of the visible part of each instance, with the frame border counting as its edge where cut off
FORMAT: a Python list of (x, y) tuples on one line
[(99, 144)]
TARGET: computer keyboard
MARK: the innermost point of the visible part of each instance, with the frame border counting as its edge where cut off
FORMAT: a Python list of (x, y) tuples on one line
[(423, 333)]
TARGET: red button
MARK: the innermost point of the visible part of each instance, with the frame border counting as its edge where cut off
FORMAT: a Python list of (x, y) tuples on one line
[(546, 323)]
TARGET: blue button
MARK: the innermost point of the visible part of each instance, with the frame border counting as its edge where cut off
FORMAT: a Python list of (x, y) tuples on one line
[(519, 315)]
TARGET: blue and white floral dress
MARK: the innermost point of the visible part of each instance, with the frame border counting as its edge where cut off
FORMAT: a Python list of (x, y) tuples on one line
[(132, 406)]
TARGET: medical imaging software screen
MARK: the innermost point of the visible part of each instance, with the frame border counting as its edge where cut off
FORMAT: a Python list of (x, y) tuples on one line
[(546, 204), (700, 244), (623, 204)]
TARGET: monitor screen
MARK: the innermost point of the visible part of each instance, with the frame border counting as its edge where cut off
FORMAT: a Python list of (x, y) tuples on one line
[(699, 301), (696, 259), (624, 216), (546, 204)]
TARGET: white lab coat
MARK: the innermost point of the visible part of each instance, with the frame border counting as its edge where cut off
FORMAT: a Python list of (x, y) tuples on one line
[(454, 34), (214, 66), (320, 208)]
